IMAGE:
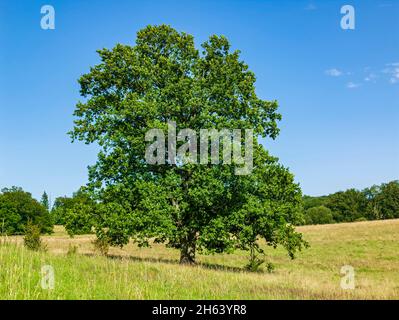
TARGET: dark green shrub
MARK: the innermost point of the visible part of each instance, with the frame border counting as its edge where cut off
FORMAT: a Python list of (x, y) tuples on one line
[(270, 267), (319, 215), (254, 264), (101, 245), (254, 261), (32, 239)]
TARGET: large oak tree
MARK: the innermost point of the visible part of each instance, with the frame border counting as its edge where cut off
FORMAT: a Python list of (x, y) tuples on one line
[(192, 207)]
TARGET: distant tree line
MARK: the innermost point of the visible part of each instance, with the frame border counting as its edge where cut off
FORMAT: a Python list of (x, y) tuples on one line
[(374, 203), (73, 212), (18, 208)]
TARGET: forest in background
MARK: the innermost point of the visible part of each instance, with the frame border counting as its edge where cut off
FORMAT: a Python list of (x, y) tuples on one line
[(18, 207)]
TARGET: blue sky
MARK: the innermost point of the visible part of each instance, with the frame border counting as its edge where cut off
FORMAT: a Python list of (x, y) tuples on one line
[(338, 89)]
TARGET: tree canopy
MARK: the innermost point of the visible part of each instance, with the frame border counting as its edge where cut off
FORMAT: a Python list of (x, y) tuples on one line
[(45, 201), (17, 208), (65, 206)]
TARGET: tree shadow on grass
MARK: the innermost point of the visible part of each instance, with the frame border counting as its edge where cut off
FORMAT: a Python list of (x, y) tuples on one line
[(205, 265)]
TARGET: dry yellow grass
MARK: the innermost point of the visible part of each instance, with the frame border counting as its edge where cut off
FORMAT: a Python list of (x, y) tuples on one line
[(372, 248)]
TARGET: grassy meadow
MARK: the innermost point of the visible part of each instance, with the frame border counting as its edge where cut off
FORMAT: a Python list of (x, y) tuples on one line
[(372, 248)]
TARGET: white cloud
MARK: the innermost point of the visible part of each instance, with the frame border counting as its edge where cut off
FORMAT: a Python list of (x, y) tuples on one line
[(333, 72), (310, 7), (370, 77), (395, 76), (352, 85), (385, 5), (392, 71), (389, 73)]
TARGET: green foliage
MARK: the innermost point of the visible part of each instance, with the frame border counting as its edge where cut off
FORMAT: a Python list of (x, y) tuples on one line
[(376, 202), (63, 205), (205, 208), (268, 206), (310, 202), (32, 238), (347, 206), (254, 263), (78, 219), (270, 267), (384, 201), (45, 201), (319, 215), (101, 245), (17, 207)]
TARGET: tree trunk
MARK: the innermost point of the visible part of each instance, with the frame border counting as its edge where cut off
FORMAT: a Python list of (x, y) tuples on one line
[(187, 250)]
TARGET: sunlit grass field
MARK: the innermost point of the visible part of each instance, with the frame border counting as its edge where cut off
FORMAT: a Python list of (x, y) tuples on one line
[(372, 248)]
